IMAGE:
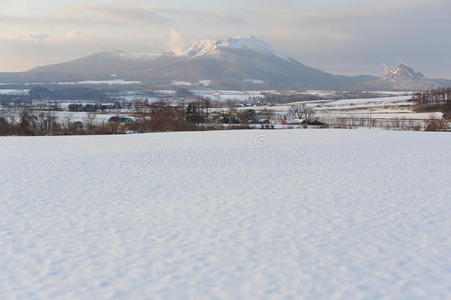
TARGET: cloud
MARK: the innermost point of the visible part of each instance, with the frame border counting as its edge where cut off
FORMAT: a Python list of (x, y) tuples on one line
[(88, 14), (18, 54), (34, 36), (119, 13), (74, 35), (355, 38), (204, 16), (123, 13), (27, 37), (347, 38), (176, 42)]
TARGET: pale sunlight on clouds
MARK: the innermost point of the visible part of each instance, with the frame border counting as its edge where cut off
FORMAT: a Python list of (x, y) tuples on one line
[(339, 36)]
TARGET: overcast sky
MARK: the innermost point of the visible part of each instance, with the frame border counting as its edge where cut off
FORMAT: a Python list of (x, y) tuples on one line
[(339, 36)]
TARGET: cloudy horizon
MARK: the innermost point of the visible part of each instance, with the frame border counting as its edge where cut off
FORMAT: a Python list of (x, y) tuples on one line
[(338, 36)]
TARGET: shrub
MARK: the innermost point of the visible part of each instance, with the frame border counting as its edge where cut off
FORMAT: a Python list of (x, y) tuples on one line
[(447, 110), (5, 127), (436, 125)]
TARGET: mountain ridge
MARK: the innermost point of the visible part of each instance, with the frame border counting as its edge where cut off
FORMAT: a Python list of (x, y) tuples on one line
[(405, 78), (241, 62)]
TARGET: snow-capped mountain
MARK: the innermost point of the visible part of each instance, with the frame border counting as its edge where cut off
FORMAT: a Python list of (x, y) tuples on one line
[(214, 47), (402, 72), (242, 62), (404, 78)]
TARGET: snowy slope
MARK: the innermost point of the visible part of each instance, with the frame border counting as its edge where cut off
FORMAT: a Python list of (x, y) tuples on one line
[(367, 103), (404, 78), (402, 72), (214, 47), (127, 56), (314, 214)]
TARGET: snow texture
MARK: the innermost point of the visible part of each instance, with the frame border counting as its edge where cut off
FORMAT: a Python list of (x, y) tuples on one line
[(313, 214)]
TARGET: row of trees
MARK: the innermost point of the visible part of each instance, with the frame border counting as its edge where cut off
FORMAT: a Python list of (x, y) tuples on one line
[(33, 123), (434, 100), (301, 112), (117, 106), (148, 117), (161, 116)]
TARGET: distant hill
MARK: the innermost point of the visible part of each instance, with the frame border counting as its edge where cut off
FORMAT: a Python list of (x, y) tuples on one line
[(404, 78)]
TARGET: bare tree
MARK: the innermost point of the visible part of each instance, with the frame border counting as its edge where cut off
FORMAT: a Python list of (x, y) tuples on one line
[(266, 114), (46, 123), (66, 124), (90, 121), (301, 112)]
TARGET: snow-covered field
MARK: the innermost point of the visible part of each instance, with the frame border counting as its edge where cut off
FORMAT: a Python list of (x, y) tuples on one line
[(367, 102), (387, 114), (393, 107), (14, 92), (315, 214), (229, 94)]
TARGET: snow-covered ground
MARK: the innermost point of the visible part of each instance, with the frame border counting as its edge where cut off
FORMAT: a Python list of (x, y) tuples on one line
[(314, 214), (367, 102), (101, 82), (14, 92), (393, 107), (386, 114), (120, 82), (97, 118), (228, 94), (345, 105)]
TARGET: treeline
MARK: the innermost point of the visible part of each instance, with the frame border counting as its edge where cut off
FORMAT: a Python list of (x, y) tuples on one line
[(30, 123), (434, 100), (98, 107), (154, 117), (162, 116)]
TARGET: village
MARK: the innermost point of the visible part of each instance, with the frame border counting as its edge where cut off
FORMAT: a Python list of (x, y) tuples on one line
[(185, 111)]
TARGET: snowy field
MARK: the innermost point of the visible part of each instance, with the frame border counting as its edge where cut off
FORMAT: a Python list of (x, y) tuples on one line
[(14, 92), (393, 107), (314, 214), (228, 94), (369, 101)]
